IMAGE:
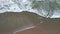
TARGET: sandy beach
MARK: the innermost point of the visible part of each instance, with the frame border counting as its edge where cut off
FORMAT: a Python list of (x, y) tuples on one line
[(38, 30)]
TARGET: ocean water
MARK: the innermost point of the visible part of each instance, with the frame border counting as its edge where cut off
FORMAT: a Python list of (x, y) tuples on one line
[(25, 5)]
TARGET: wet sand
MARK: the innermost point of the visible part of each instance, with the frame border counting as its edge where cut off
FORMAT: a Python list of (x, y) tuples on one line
[(9, 22), (38, 30)]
